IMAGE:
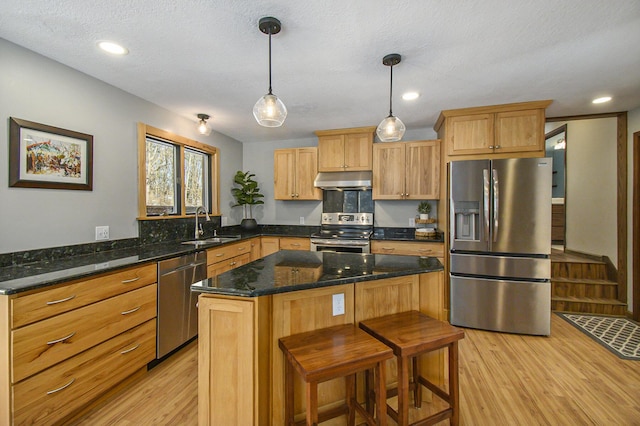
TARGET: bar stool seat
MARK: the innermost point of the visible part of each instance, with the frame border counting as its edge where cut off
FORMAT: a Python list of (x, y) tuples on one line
[(410, 334), (329, 353)]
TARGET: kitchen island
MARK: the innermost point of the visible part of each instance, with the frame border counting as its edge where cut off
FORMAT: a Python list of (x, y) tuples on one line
[(243, 313)]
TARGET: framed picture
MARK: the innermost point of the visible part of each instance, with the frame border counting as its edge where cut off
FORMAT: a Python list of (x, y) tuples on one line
[(42, 156)]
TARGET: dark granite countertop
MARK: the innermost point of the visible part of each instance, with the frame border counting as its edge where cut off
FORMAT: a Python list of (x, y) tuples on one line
[(287, 271), (404, 234), (29, 276)]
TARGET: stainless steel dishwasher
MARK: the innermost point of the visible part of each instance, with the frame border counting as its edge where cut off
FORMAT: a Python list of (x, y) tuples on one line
[(177, 310)]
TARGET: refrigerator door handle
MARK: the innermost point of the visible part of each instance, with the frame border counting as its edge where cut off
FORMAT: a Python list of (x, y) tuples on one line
[(496, 204), (485, 202)]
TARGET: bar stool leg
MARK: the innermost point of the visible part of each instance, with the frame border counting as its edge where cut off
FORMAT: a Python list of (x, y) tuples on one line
[(403, 391), (417, 387), (453, 383), (312, 403), (381, 393), (288, 393), (350, 395)]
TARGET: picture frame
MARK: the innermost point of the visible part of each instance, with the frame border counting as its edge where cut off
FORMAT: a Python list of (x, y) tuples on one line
[(43, 156)]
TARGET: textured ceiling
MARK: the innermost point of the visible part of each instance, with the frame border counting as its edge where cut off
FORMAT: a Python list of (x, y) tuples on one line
[(205, 56)]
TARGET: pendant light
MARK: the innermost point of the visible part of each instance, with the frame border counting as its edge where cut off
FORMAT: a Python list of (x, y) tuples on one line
[(203, 126), (269, 111), (391, 129)]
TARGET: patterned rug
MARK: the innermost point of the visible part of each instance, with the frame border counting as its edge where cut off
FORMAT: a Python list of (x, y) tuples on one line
[(620, 335)]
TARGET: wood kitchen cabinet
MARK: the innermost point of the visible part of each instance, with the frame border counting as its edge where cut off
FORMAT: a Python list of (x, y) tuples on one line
[(406, 170), (269, 245), (229, 256), (295, 243), (70, 344), (345, 149), (409, 248), (295, 170), (497, 129)]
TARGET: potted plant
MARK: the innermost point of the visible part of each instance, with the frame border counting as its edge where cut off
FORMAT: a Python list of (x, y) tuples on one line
[(247, 194), (424, 208)]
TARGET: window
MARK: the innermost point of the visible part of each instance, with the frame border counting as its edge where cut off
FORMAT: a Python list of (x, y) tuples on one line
[(176, 174)]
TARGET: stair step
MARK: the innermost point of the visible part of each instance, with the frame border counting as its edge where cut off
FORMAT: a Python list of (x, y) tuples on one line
[(588, 305), (584, 288), (589, 270)]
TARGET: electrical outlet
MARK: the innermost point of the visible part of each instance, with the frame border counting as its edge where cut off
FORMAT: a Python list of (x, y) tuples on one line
[(301, 220), (224, 221), (412, 222), (102, 233), (338, 304)]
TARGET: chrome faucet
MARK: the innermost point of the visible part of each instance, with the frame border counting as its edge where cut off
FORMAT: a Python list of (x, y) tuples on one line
[(199, 230)]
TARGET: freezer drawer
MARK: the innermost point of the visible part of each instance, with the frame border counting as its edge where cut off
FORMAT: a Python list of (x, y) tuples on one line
[(531, 268), (500, 305)]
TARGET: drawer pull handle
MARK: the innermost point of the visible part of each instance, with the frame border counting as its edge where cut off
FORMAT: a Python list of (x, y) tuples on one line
[(55, 302), (53, 342), (388, 248), (295, 244), (241, 248), (61, 387), (130, 311), (425, 250), (232, 263), (219, 254), (130, 281), (126, 351)]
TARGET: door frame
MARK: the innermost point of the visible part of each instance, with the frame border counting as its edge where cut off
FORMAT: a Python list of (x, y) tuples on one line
[(622, 194), (635, 253)]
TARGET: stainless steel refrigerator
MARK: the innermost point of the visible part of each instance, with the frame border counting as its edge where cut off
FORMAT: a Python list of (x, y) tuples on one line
[(500, 242)]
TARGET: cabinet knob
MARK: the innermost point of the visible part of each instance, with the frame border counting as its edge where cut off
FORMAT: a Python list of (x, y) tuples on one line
[(491, 147), (498, 147), (293, 195)]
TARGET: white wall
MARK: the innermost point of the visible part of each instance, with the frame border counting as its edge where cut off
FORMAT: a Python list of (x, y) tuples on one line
[(258, 158), (633, 125), (591, 195), (38, 89)]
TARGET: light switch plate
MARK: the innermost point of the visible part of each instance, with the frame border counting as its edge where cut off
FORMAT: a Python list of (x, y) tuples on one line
[(224, 221), (301, 220), (102, 233), (338, 304), (412, 222)]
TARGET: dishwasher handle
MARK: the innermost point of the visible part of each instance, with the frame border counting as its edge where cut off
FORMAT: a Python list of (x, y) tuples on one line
[(183, 268)]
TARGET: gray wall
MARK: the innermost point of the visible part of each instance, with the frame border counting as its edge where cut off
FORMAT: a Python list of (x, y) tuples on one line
[(38, 89), (258, 158)]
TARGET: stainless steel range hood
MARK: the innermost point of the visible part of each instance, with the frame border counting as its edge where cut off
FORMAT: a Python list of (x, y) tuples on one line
[(343, 180)]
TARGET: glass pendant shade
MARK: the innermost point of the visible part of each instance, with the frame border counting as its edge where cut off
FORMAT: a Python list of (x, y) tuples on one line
[(269, 111), (391, 129)]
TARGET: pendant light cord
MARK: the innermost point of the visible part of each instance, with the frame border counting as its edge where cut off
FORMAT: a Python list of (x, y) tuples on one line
[(270, 61), (391, 91)]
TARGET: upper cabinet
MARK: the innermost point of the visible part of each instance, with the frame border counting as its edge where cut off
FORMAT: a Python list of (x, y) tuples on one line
[(498, 129), (406, 170), (345, 149), (294, 172)]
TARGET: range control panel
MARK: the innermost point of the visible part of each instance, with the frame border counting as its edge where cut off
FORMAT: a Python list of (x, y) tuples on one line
[(347, 219)]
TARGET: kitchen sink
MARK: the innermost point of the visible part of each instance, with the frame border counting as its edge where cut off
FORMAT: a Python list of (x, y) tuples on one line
[(212, 240)]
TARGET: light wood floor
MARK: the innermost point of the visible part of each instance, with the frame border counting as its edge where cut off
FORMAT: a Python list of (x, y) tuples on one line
[(505, 379)]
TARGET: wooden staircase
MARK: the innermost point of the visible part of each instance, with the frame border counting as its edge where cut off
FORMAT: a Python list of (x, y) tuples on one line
[(581, 284)]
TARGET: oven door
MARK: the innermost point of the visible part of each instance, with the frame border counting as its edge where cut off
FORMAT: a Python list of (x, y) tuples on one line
[(338, 245)]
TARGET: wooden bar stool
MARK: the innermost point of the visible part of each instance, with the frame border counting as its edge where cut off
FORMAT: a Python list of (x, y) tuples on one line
[(410, 334), (328, 353)]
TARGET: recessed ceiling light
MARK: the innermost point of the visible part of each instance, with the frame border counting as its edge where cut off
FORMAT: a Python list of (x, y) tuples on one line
[(410, 96), (113, 48), (601, 100)]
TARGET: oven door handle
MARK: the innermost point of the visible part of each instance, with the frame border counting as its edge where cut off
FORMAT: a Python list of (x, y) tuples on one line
[(340, 243)]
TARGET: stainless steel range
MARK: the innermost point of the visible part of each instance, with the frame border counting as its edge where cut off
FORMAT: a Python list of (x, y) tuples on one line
[(344, 232)]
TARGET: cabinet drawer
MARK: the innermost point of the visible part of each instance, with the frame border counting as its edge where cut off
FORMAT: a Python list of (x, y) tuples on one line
[(45, 304), (220, 267), (289, 243), (47, 342), (226, 252), (57, 392), (408, 248)]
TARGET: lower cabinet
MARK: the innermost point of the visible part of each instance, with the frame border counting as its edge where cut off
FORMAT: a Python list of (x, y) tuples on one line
[(62, 389), (295, 243), (409, 248), (66, 347), (229, 256), (248, 387)]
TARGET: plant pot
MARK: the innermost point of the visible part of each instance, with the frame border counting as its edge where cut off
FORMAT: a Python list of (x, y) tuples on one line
[(424, 216), (249, 224)]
